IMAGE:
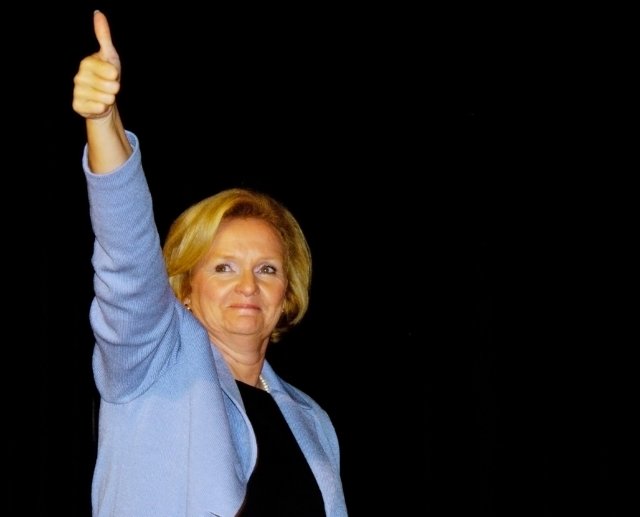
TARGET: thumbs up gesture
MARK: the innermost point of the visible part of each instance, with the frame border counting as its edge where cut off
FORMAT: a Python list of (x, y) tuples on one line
[(97, 81)]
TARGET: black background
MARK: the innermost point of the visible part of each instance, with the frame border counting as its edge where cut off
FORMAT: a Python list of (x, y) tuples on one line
[(450, 327)]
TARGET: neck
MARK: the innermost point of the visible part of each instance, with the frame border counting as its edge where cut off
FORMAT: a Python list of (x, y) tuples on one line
[(245, 366)]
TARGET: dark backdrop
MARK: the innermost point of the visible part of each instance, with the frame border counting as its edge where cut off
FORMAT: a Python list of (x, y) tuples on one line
[(400, 142)]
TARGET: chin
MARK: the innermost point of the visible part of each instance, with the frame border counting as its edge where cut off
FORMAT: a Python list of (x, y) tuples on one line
[(247, 330)]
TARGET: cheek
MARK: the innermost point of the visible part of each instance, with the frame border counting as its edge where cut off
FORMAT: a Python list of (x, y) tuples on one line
[(279, 292), (215, 292), (208, 291), (280, 301), (274, 294)]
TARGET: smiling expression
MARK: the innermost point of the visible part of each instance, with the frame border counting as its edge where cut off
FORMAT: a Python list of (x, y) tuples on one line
[(238, 289)]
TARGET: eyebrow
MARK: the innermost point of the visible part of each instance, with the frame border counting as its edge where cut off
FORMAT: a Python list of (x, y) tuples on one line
[(233, 257)]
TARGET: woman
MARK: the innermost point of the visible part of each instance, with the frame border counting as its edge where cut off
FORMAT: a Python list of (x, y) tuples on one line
[(193, 419)]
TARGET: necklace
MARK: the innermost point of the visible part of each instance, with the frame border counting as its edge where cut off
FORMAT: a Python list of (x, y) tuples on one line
[(265, 386)]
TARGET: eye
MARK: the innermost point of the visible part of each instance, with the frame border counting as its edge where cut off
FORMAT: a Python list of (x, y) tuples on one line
[(267, 269), (222, 268)]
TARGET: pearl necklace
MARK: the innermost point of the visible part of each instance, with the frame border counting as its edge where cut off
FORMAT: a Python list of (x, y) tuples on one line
[(265, 386)]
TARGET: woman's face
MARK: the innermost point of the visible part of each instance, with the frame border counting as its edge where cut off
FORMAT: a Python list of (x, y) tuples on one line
[(238, 289)]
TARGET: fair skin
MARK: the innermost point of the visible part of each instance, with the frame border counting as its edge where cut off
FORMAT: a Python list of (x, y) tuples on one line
[(238, 291), (94, 98)]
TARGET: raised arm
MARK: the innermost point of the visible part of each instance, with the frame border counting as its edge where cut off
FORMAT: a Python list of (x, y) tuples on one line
[(96, 85)]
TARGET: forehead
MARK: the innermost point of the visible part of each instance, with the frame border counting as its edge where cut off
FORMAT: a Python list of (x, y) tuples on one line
[(247, 233)]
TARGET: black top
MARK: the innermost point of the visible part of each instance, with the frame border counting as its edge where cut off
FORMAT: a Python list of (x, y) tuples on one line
[(282, 483)]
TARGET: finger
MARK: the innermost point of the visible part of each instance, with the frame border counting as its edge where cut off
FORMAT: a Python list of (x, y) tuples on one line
[(102, 73), (90, 108), (103, 35), (96, 89)]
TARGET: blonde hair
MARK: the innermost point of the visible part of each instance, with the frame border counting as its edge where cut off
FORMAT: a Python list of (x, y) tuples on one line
[(190, 236)]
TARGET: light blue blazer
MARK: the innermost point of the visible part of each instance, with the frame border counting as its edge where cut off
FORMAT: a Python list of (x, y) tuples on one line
[(174, 438)]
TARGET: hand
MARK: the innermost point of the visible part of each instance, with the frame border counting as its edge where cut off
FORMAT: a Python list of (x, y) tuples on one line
[(98, 78)]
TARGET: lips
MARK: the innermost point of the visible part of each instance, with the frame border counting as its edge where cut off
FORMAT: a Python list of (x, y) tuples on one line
[(245, 306)]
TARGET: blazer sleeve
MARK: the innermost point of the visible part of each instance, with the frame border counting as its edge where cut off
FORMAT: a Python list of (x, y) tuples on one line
[(133, 313)]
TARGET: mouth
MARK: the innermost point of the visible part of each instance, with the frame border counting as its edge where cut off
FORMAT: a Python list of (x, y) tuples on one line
[(244, 306)]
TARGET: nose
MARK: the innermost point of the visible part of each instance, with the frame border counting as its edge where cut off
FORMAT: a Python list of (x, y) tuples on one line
[(247, 284)]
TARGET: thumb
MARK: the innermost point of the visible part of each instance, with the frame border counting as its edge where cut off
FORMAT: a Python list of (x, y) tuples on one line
[(103, 35)]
